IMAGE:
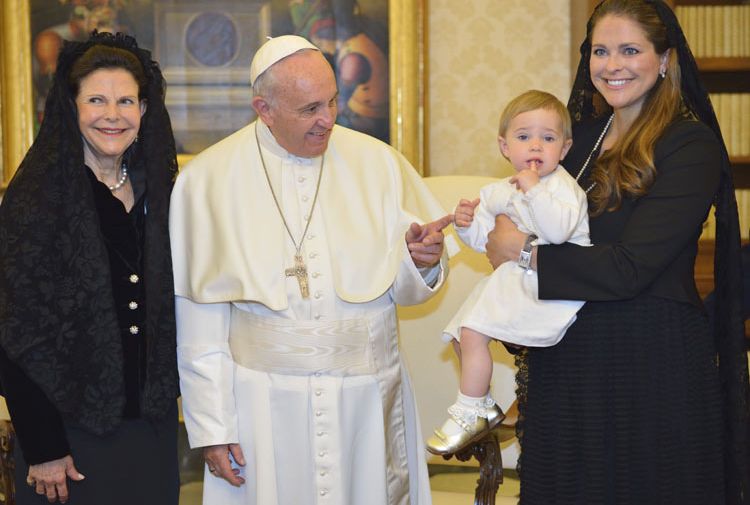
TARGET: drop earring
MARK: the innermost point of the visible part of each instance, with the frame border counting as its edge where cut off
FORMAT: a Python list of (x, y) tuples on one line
[(662, 73)]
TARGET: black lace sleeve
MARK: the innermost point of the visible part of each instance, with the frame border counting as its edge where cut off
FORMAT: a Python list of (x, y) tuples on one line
[(37, 423)]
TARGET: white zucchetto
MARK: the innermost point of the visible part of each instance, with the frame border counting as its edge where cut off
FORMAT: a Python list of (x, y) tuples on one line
[(275, 49)]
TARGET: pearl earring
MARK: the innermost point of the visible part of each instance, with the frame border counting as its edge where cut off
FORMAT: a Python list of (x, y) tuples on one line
[(663, 73)]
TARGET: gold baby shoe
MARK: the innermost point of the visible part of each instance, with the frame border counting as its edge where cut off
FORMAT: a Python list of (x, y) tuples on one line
[(442, 444), (494, 416)]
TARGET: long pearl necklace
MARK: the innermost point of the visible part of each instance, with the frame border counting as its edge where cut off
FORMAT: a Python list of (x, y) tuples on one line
[(596, 146), (123, 178)]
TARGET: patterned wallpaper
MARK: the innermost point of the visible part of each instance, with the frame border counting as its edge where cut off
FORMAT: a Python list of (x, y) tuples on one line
[(482, 53)]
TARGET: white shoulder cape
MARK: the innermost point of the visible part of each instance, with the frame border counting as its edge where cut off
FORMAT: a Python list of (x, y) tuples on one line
[(228, 240)]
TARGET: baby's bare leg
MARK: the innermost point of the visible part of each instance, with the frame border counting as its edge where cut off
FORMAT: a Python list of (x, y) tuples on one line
[(474, 412), (476, 363)]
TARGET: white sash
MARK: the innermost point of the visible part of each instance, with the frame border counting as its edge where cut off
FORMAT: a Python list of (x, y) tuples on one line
[(365, 346), (289, 347)]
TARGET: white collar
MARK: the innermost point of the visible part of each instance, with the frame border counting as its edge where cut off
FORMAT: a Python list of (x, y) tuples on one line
[(269, 142)]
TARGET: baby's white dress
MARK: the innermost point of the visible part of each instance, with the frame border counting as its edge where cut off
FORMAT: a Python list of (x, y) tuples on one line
[(505, 305)]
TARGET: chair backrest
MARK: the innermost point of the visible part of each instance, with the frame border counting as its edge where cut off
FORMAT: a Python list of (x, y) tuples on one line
[(433, 365)]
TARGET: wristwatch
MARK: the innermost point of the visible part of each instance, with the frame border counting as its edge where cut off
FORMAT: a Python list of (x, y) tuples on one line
[(524, 259)]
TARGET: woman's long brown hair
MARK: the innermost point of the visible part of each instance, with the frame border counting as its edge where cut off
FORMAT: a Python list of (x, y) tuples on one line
[(627, 168)]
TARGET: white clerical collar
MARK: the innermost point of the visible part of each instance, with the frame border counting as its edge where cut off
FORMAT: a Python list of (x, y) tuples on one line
[(268, 141)]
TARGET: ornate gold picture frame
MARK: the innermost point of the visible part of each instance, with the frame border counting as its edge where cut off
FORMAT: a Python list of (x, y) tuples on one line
[(406, 33)]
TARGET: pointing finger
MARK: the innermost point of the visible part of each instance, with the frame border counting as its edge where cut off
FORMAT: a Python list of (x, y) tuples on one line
[(441, 223)]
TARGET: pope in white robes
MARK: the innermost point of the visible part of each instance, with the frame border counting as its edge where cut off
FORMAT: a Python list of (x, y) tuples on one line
[(293, 239)]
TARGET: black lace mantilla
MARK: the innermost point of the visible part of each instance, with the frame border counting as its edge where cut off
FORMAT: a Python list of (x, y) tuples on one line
[(57, 314)]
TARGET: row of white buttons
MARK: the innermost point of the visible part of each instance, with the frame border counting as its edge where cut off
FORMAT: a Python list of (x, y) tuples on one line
[(319, 402), (322, 424), (312, 255), (134, 330)]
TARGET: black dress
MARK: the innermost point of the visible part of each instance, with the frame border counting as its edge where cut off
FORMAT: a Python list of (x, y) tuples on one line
[(138, 462), (626, 409)]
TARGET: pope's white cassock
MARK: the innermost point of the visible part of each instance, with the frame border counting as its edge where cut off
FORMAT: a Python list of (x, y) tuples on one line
[(312, 389)]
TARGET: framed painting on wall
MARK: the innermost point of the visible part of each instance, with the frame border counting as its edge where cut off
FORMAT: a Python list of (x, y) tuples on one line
[(205, 47)]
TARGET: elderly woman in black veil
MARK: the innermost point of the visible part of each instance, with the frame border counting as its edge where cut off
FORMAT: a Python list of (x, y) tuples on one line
[(643, 402), (87, 335)]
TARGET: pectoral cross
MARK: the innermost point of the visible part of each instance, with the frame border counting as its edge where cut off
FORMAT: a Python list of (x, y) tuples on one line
[(299, 270)]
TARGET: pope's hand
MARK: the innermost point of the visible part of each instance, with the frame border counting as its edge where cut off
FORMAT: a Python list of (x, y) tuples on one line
[(219, 464), (425, 242)]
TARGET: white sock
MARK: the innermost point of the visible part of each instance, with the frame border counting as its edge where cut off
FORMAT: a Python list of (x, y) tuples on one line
[(467, 408), (471, 402)]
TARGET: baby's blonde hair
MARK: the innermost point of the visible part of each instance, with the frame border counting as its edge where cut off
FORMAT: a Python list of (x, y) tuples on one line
[(533, 100)]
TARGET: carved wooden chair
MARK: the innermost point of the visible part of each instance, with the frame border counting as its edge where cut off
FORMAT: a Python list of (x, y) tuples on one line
[(7, 463)]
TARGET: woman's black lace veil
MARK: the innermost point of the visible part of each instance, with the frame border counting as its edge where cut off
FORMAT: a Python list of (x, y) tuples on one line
[(585, 104), (57, 316)]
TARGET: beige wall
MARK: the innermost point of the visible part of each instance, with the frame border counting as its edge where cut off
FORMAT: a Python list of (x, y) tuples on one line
[(482, 53)]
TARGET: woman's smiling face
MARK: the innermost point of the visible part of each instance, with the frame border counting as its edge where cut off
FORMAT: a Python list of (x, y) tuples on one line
[(624, 65), (109, 112)]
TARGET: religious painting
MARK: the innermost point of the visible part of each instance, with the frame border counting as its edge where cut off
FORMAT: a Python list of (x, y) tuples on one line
[(204, 48), (353, 35)]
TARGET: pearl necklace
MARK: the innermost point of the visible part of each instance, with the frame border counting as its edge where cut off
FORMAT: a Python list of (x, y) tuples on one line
[(596, 146), (123, 178)]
